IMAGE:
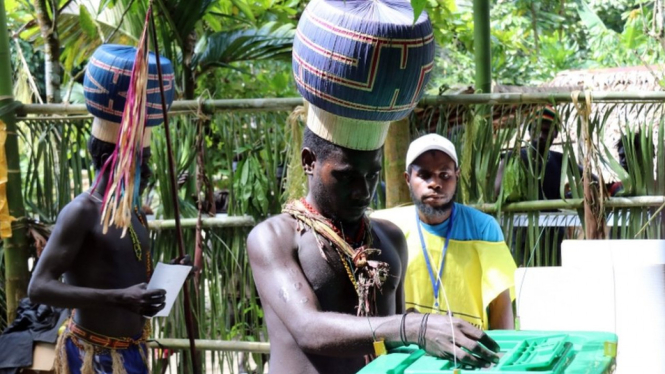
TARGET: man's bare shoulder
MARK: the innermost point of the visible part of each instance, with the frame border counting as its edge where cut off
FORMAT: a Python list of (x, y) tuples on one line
[(275, 232), (391, 230), (82, 212), (281, 224)]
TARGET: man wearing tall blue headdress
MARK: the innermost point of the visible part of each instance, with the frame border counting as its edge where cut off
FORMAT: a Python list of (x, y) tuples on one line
[(329, 277), (105, 274)]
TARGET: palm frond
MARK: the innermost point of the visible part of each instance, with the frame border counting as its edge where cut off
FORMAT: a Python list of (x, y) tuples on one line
[(268, 42)]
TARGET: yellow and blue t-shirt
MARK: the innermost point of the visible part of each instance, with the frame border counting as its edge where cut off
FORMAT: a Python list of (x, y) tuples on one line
[(478, 264)]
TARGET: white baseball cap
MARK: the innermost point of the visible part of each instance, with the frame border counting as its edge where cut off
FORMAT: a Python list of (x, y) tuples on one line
[(430, 142)]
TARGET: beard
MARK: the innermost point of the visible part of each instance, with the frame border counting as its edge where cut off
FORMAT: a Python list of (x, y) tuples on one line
[(433, 211)]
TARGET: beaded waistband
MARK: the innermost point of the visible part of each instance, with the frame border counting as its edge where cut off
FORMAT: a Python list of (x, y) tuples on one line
[(106, 341)]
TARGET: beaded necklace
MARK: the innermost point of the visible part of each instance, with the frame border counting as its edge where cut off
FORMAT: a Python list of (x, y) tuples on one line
[(347, 262), (360, 235), (136, 243), (148, 259)]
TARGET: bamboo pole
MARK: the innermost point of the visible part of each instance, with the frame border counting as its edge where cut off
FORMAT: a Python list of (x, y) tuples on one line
[(523, 206), (192, 330), (287, 104), (212, 345), (395, 148), (179, 106), (212, 222), (538, 98), (614, 202), (16, 246), (481, 45)]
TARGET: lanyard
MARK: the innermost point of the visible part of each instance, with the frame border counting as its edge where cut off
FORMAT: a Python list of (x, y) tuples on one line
[(436, 282)]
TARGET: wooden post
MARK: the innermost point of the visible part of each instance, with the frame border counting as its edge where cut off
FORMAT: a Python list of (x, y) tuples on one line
[(394, 151), (16, 246)]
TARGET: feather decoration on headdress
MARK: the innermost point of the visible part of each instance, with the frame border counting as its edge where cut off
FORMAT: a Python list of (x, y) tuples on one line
[(122, 193)]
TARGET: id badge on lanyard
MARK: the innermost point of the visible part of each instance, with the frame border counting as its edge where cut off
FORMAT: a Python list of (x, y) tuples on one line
[(436, 281)]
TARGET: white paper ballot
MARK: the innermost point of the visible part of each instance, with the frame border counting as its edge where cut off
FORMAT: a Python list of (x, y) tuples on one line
[(170, 278)]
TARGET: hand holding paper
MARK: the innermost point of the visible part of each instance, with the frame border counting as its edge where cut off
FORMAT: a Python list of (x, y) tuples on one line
[(170, 278)]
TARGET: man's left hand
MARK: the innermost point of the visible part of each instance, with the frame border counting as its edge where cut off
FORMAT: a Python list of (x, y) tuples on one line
[(187, 261)]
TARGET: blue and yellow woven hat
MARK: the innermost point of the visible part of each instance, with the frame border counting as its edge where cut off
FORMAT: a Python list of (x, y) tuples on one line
[(106, 83), (361, 64)]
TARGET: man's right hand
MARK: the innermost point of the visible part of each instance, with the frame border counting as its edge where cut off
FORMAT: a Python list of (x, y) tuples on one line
[(145, 302), (471, 346)]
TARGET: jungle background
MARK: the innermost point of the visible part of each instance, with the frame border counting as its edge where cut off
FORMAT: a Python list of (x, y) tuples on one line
[(235, 162)]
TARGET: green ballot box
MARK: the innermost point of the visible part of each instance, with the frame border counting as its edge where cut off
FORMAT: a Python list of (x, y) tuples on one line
[(545, 352)]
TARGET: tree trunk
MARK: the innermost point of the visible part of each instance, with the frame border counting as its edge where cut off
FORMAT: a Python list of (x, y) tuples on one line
[(16, 246), (49, 31), (562, 11), (397, 143), (189, 76), (534, 25)]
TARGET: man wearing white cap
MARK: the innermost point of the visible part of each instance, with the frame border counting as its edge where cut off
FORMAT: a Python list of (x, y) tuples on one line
[(459, 263)]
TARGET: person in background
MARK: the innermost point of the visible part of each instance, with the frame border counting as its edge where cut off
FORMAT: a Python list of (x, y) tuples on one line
[(637, 150), (458, 261)]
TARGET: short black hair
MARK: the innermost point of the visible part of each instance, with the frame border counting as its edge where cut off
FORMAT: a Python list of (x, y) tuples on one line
[(100, 151), (533, 125), (321, 147), (637, 141)]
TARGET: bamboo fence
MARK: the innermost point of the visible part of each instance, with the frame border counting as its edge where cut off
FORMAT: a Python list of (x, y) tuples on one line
[(247, 149)]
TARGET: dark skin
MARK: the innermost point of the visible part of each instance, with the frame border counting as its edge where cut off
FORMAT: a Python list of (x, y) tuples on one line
[(310, 304), (104, 280), (433, 181)]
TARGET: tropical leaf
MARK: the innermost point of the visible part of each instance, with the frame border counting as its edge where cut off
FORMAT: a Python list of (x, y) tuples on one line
[(183, 15), (268, 42), (86, 22), (244, 8), (418, 7)]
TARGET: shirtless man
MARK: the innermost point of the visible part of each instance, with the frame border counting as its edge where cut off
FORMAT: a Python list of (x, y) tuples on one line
[(105, 275), (310, 303)]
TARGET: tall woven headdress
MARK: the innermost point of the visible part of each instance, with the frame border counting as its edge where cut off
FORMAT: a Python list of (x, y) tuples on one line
[(361, 64), (121, 89)]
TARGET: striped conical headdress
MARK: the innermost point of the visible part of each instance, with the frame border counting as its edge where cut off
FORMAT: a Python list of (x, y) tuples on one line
[(122, 91), (361, 64), (106, 84)]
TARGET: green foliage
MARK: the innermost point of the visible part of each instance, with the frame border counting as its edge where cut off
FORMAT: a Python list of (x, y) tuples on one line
[(418, 7), (250, 184), (34, 67), (57, 166), (86, 22), (221, 49), (250, 80), (183, 136), (534, 40), (513, 185)]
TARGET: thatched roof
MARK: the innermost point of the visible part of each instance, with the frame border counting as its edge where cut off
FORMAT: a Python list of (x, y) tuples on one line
[(625, 79), (503, 115), (616, 116)]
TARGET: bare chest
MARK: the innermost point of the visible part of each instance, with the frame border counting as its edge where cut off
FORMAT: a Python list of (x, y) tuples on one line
[(111, 260), (332, 275)]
